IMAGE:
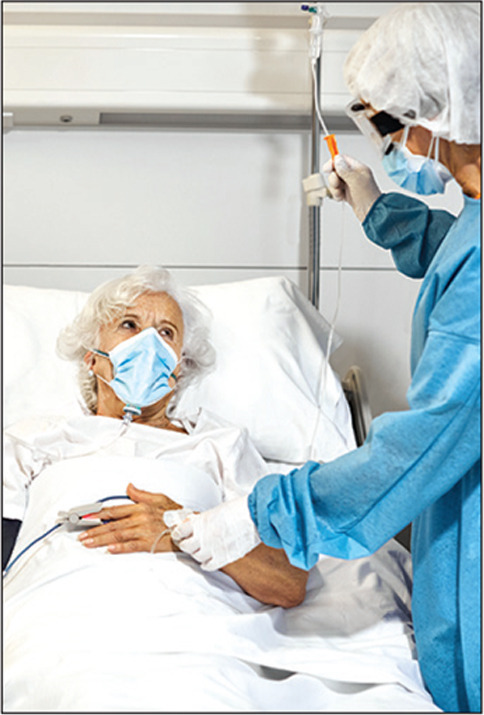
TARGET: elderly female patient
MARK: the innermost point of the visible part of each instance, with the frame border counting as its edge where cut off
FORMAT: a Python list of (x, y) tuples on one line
[(86, 630), (139, 341)]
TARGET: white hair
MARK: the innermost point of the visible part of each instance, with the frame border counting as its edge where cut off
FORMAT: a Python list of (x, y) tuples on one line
[(112, 298)]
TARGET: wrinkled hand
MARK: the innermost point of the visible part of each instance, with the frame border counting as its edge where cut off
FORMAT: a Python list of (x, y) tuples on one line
[(133, 527), (351, 181)]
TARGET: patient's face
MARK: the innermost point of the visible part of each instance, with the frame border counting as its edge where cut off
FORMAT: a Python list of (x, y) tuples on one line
[(150, 310)]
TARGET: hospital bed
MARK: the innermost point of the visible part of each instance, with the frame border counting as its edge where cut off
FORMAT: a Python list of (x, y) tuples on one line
[(144, 632)]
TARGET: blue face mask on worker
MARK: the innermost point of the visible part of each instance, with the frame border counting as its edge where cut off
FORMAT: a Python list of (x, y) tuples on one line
[(142, 367), (415, 172)]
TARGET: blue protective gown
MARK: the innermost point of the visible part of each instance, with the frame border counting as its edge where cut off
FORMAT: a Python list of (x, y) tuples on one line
[(420, 465)]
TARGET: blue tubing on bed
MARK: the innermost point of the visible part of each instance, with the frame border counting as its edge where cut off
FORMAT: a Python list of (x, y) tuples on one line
[(11, 528)]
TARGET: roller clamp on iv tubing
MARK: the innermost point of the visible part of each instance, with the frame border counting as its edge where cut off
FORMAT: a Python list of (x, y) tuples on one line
[(315, 189)]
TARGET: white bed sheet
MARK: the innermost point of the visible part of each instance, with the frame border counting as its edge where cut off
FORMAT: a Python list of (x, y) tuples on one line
[(87, 631)]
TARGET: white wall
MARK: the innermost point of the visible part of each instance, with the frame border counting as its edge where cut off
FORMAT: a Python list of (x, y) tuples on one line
[(82, 205)]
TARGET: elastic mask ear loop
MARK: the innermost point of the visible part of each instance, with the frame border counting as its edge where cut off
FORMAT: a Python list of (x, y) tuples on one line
[(437, 149), (404, 139), (99, 352), (102, 354), (433, 143), (129, 411)]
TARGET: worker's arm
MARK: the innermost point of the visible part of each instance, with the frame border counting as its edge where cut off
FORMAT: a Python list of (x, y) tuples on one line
[(407, 227), (348, 508), (351, 506)]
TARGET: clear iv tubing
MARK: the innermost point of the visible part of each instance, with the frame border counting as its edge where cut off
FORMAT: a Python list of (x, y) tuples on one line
[(316, 98), (325, 364)]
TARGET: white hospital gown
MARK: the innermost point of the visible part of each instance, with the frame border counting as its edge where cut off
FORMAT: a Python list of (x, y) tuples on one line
[(222, 451), (88, 631)]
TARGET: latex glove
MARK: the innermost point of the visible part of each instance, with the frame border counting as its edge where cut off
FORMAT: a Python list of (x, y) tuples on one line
[(353, 182), (215, 537)]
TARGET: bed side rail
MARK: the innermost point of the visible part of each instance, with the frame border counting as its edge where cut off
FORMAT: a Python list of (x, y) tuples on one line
[(355, 392)]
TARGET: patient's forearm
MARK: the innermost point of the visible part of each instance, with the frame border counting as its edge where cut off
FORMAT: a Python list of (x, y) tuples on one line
[(263, 573), (267, 575)]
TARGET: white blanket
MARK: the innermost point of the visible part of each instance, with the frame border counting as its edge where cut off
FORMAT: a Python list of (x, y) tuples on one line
[(88, 631)]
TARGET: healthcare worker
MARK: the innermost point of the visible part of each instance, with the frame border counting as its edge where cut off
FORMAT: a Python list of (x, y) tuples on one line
[(415, 73)]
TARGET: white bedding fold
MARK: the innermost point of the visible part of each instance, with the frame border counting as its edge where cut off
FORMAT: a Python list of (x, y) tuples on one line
[(86, 630)]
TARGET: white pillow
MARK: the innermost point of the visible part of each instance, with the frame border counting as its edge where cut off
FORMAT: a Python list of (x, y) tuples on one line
[(270, 344), (37, 381)]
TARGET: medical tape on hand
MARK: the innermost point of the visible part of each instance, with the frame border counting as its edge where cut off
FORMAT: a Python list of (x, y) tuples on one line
[(175, 518)]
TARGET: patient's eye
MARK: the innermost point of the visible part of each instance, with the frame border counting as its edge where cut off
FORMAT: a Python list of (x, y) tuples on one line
[(128, 324), (167, 332)]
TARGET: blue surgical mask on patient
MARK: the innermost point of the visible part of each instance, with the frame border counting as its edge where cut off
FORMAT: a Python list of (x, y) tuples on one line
[(415, 172), (142, 366)]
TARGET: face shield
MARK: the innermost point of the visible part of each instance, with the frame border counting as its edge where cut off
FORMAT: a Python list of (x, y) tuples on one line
[(375, 126)]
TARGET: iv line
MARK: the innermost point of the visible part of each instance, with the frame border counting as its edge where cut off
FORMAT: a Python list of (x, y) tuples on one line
[(316, 98), (325, 361), (315, 52)]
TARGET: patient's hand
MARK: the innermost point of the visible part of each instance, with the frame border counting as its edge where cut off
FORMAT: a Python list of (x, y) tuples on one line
[(133, 527), (264, 573)]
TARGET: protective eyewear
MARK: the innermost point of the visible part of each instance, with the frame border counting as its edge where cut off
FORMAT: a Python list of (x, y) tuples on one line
[(378, 127)]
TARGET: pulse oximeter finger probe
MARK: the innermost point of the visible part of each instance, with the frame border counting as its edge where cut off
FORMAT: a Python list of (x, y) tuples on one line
[(70, 518)]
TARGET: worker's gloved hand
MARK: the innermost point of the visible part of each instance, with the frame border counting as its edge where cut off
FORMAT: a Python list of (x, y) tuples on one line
[(215, 537), (353, 182)]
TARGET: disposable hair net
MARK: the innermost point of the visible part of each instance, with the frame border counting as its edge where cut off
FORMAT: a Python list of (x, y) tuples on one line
[(421, 64)]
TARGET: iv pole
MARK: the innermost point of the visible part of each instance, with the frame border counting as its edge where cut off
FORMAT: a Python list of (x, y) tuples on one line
[(315, 210), (314, 185)]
